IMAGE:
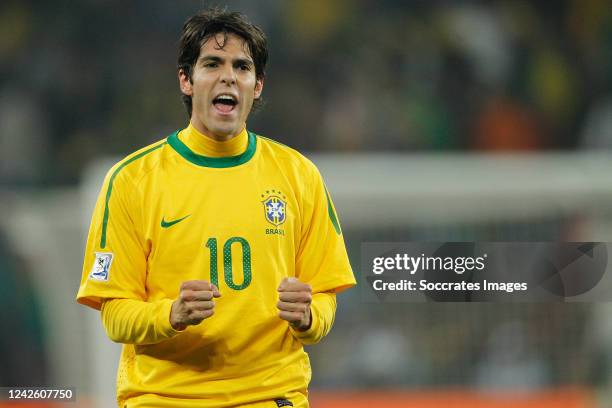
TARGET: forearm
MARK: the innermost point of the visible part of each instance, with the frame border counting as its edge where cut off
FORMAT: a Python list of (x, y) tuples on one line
[(132, 321), (322, 312)]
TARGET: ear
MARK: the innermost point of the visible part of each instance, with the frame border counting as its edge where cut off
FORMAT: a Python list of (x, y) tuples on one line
[(185, 83), (258, 88)]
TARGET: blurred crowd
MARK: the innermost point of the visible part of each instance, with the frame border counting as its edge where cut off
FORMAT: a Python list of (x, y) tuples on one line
[(85, 79), (511, 347), (518, 347)]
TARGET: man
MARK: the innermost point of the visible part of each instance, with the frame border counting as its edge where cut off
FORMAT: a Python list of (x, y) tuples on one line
[(214, 255)]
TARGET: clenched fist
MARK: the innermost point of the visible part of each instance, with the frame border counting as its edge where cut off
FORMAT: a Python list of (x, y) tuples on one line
[(294, 303), (194, 304)]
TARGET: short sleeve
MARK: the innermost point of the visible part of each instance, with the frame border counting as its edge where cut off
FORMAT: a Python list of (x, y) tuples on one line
[(114, 264), (322, 260)]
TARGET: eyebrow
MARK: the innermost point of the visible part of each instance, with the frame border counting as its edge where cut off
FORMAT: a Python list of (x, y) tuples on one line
[(219, 59)]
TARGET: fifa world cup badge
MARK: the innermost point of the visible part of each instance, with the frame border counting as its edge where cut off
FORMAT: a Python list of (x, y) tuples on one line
[(101, 267)]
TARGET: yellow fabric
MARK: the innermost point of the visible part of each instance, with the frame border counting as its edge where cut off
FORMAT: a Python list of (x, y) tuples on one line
[(149, 401), (132, 321), (323, 311), (244, 354), (206, 146)]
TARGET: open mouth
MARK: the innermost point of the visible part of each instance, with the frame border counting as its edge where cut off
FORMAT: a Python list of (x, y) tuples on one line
[(225, 103)]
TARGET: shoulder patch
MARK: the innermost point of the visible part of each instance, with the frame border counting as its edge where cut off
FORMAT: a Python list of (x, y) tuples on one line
[(100, 270)]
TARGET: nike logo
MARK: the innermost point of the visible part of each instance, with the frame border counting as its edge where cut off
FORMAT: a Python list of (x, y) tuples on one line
[(168, 224)]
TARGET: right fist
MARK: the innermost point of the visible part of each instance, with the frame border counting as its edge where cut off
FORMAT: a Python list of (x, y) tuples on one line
[(194, 304)]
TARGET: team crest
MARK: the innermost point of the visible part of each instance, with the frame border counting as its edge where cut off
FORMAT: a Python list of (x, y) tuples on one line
[(275, 208), (101, 266)]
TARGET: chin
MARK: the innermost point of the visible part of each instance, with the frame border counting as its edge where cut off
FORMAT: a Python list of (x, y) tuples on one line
[(225, 131)]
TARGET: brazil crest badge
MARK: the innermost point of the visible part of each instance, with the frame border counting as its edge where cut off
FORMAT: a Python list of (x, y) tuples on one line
[(275, 208)]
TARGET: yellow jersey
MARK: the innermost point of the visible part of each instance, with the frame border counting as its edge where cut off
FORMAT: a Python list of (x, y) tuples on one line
[(167, 214)]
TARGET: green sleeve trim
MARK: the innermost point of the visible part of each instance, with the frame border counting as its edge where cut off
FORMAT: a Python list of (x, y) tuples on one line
[(332, 214), (215, 162), (110, 189), (274, 141)]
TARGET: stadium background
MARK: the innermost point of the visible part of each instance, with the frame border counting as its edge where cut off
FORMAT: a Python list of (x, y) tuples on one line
[(438, 121)]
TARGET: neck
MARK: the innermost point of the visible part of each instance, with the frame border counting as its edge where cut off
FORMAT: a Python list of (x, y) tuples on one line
[(205, 145)]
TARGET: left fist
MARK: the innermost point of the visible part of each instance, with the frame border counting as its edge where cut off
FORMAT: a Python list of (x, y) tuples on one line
[(294, 303)]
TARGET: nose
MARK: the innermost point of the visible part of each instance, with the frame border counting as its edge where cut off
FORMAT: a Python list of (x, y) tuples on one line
[(228, 76)]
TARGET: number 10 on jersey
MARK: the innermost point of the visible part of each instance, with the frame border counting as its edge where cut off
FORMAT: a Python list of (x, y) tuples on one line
[(228, 274)]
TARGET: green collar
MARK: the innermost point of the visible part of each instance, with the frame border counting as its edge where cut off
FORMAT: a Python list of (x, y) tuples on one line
[(216, 162)]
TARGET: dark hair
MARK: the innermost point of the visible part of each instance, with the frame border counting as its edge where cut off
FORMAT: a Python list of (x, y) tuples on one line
[(206, 24)]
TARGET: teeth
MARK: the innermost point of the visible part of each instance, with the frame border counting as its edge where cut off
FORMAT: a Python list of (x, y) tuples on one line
[(225, 98)]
